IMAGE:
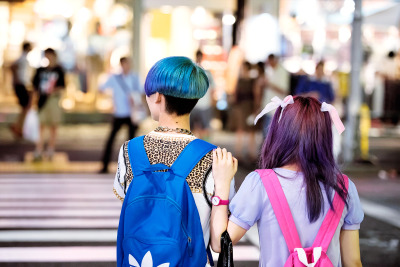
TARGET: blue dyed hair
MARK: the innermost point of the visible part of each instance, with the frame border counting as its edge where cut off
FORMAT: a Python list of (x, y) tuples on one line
[(178, 77)]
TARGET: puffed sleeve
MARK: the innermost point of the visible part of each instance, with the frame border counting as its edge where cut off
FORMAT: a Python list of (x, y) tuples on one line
[(119, 181), (247, 205), (355, 213)]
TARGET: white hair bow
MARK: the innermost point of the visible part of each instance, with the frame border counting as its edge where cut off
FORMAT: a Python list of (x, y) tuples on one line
[(334, 116), (274, 104)]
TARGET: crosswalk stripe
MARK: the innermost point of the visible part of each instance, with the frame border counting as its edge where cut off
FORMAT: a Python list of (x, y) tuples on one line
[(92, 254), (46, 187), (381, 212), (58, 254), (106, 181), (51, 196), (46, 223), (64, 218), (59, 236), (60, 213), (61, 204)]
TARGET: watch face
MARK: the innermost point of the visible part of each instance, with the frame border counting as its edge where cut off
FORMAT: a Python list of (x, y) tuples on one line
[(215, 201)]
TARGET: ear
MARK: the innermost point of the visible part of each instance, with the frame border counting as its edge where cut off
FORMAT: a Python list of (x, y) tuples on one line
[(158, 97)]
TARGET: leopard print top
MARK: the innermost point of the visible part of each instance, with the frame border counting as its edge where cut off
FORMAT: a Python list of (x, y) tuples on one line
[(165, 149)]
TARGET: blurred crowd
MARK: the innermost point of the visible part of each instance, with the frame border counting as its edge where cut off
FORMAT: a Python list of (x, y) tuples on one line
[(255, 85)]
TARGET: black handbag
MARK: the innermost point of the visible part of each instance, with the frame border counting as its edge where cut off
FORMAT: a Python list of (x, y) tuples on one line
[(225, 258)]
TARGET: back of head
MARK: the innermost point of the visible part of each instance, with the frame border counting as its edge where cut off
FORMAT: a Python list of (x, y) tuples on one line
[(122, 60), (177, 77), (199, 56), (26, 47), (261, 67), (271, 57), (50, 51), (303, 136), (272, 60), (320, 64), (180, 80)]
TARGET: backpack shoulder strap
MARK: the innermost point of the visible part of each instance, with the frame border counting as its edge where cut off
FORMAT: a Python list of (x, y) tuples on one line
[(190, 156), (331, 221), (281, 208), (137, 155)]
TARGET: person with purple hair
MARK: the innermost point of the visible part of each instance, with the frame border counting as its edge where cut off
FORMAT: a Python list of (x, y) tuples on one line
[(298, 152)]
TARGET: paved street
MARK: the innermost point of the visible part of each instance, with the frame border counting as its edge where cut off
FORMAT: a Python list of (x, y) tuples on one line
[(69, 217), (66, 220)]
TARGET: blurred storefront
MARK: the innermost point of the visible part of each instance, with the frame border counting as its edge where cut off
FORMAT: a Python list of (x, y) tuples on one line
[(305, 32), (91, 35)]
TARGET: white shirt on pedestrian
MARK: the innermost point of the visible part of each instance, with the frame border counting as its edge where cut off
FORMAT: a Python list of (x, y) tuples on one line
[(278, 76)]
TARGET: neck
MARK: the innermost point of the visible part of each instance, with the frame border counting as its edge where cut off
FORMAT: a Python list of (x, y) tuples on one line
[(174, 121), (292, 167)]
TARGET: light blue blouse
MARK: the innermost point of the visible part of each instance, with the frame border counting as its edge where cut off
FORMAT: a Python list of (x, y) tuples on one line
[(251, 205)]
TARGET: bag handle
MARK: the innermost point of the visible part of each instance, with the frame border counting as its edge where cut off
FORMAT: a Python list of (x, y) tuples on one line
[(190, 156), (123, 84), (281, 208), (140, 162), (331, 221)]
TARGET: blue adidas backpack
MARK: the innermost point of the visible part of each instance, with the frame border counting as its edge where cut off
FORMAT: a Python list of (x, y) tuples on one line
[(159, 223)]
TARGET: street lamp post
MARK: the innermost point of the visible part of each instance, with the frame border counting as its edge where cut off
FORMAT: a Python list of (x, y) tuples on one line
[(137, 8), (354, 103)]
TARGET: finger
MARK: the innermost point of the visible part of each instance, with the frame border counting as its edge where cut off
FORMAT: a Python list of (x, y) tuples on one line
[(215, 158), (229, 157), (235, 164), (219, 154), (224, 153)]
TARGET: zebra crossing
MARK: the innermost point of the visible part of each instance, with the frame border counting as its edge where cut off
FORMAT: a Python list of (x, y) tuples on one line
[(69, 220)]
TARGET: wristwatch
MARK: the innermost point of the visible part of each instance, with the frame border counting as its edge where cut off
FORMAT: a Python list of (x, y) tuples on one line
[(217, 201)]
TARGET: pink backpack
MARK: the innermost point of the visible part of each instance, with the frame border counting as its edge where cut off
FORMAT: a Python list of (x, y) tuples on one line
[(314, 256)]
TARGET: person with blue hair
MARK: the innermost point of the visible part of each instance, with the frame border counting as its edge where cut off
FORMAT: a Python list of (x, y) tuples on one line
[(173, 86)]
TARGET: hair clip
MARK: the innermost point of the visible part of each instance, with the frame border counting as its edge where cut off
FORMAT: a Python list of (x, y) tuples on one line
[(325, 107), (274, 104)]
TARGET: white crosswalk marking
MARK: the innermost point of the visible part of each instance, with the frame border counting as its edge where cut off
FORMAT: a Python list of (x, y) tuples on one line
[(69, 219)]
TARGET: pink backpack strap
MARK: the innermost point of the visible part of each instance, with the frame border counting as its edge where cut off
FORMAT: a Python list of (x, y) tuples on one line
[(281, 208), (331, 221)]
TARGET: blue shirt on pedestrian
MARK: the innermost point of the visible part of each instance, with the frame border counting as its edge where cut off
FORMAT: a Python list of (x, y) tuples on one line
[(123, 88), (322, 87)]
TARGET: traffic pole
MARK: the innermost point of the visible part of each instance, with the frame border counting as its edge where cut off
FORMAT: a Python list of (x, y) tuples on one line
[(354, 101)]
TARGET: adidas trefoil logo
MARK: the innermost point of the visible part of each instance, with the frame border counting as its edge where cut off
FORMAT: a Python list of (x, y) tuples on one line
[(147, 261)]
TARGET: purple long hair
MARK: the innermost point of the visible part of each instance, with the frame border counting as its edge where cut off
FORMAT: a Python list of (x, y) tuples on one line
[(303, 136)]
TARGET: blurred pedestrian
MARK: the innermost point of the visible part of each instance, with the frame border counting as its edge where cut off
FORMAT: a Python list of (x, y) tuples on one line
[(202, 113), (243, 108), (317, 86), (259, 86), (127, 92), (21, 74), (278, 82), (305, 208), (49, 82)]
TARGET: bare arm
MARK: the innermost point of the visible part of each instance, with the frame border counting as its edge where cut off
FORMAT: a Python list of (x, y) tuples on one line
[(224, 168), (277, 89), (14, 70), (350, 248)]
